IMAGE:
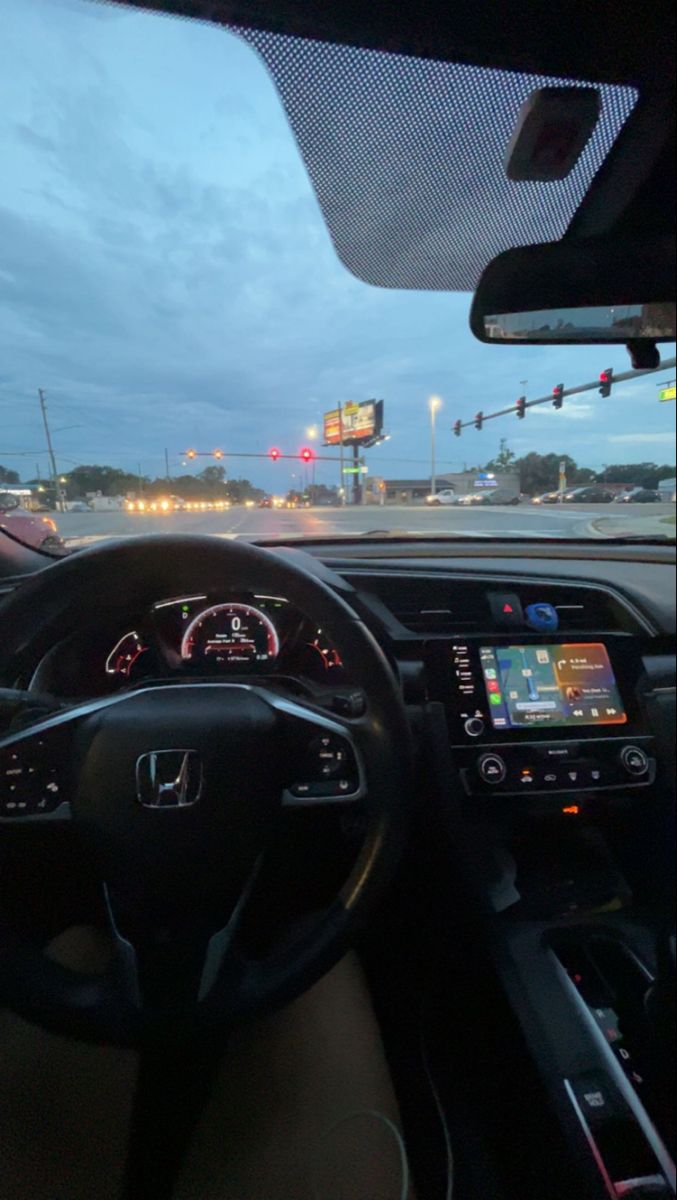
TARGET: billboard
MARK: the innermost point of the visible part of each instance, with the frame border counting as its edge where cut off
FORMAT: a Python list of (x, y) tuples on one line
[(361, 423)]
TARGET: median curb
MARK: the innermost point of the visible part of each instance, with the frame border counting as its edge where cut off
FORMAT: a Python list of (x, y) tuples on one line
[(605, 527)]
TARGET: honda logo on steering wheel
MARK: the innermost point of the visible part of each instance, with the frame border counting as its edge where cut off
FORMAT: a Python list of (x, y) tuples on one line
[(169, 779)]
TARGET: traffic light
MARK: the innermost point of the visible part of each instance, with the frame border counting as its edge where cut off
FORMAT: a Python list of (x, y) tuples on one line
[(274, 454), (479, 421), (191, 453), (606, 379), (307, 455), (218, 454), (521, 408), (558, 396), (458, 425)]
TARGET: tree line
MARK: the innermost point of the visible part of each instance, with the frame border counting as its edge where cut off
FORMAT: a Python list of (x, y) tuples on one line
[(540, 472)]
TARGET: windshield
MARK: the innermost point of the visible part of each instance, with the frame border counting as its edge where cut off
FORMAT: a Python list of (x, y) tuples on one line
[(183, 349)]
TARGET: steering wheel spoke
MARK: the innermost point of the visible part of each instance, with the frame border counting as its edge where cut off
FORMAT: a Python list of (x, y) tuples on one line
[(35, 772), (328, 764)]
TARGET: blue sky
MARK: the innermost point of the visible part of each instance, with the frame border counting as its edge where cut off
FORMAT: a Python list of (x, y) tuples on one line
[(166, 275)]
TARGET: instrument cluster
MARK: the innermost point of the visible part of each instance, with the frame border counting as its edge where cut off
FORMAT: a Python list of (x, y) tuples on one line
[(204, 635)]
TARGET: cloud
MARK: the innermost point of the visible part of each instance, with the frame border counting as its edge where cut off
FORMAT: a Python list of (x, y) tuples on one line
[(168, 279), (570, 413), (644, 439)]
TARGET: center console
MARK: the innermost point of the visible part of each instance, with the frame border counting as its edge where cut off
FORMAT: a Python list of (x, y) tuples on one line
[(527, 714), (559, 719)]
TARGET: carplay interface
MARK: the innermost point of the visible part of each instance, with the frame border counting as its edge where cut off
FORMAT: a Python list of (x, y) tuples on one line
[(553, 686)]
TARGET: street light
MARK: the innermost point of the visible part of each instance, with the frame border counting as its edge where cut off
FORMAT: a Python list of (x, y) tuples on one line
[(434, 406)]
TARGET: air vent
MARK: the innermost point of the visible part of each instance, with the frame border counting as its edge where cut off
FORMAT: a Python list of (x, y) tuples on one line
[(435, 605), (580, 610), (451, 606)]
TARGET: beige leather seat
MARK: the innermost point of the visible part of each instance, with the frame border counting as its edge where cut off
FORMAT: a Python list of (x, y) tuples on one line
[(304, 1107)]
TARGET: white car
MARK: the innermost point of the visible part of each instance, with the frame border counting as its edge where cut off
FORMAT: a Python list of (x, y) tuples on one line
[(445, 496)]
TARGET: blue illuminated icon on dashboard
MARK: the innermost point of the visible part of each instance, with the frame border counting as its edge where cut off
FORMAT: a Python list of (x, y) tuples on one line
[(544, 618)]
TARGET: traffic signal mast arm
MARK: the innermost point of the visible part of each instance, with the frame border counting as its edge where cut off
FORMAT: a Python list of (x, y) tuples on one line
[(623, 377), (301, 456)]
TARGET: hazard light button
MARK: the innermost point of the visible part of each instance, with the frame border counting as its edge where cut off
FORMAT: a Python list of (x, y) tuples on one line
[(506, 610)]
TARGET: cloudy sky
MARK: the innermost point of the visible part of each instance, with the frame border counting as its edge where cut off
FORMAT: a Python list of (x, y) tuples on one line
[(167, 278)]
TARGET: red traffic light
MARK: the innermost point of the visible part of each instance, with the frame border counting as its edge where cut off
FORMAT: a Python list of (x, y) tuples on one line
[(606, 379), (307, 454), (191, 453), (218, 454), (521, 408), (558, 396), (458, 426), (479, 420), (275, 454)]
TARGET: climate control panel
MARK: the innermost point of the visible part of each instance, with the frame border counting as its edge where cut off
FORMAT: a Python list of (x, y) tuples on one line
[(557, 767)]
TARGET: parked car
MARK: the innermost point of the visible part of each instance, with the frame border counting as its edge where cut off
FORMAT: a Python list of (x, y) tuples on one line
[(640, 496), (589, 495), (498, 498), (30, 528), (444, 496), (556, 497)]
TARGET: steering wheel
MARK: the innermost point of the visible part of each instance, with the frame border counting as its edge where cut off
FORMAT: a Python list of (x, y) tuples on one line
[(176, 791)]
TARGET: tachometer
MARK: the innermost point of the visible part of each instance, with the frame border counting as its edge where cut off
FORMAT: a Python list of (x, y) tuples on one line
[(230, 635)]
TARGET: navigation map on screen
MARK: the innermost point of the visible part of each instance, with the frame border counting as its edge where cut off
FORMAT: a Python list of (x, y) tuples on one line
[(551, 685)]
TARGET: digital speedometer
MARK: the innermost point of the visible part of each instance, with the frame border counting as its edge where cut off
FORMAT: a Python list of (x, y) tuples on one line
[(230, 636)]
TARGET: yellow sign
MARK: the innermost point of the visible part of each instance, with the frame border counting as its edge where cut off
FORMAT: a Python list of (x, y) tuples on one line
[(668, 393)]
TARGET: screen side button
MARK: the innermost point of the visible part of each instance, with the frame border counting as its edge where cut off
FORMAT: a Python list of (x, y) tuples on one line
[(474, 727)]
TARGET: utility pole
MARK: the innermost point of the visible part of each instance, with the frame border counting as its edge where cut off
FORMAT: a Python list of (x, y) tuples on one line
[(167, 465), (50, 448)]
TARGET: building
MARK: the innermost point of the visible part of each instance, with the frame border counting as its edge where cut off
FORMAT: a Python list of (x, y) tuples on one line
[(100, 503), (412, 491), (415, 491)]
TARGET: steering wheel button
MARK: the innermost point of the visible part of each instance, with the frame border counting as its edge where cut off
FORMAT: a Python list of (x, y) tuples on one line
[(300, 790)]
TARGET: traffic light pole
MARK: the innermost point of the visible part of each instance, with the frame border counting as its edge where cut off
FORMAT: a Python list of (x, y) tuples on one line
[(357, 478), (342, 488), (624, 377)]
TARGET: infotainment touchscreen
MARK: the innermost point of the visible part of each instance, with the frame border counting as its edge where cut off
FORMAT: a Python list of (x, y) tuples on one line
[(553, 686)]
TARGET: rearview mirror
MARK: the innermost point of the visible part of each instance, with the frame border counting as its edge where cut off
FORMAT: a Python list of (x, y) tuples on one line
[(601, 291)]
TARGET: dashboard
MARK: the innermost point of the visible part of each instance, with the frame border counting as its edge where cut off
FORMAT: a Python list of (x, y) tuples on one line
[(542, 679)]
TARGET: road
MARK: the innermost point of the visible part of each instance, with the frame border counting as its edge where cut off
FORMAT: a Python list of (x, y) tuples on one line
[(525, 521)]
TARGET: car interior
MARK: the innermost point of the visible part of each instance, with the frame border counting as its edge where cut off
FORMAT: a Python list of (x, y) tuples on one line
[(346, 906)]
